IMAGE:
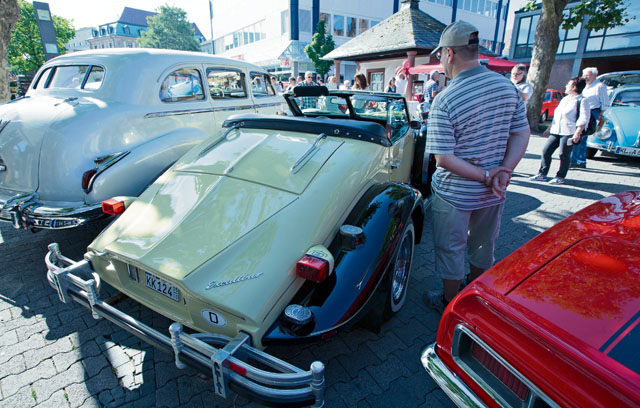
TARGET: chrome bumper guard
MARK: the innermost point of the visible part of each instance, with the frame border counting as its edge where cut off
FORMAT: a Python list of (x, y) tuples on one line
[(225, 358), (446, 379), (24, 211)]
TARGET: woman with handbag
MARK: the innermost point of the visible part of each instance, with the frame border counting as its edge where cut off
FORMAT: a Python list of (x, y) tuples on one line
[(569, 120)]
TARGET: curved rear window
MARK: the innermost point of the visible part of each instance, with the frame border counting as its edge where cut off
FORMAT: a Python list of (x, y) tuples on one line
[(71, 77)]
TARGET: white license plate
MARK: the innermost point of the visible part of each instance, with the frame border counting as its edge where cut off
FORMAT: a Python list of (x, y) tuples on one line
[(628, 150), (161, 286)]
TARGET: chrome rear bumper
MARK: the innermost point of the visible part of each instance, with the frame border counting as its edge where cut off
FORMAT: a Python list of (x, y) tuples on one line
[(226, 359), (25, 211), (446, 379)]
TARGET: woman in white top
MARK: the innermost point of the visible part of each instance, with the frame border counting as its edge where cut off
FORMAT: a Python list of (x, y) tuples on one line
[(519, 79), (569, 120)]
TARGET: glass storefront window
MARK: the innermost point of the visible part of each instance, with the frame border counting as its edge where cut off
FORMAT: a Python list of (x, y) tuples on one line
[(351, 27), (532, 31), (523, 30), (363, 25), (594, 44), (338, 25), (621, 41), (570, 46)]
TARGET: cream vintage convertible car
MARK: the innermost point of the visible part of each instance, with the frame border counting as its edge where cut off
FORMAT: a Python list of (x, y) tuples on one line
[(100, 123), (278, 230)]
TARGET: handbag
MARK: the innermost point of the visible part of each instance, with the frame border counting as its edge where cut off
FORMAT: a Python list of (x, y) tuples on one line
[(591, 126)]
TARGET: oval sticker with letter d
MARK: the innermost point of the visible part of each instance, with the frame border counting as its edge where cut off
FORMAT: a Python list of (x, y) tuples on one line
[(213, 318)]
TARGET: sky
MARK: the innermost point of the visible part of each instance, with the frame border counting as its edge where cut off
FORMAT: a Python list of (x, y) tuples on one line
[(92, 13)]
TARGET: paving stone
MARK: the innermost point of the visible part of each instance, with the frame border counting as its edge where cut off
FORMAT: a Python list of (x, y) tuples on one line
[(167, 395), (34, 357), (146, 401), (355, 362), (410, 357), (57, 400), (438, 399), (21, 398), (95, 364), (16, 365), (166, 372), (390, 369), (105, 380), (46, 387), (386, 345), (13, 383), (335, 372), (32, 343), (357, 389), (8, 338), (410, 390), (189, 386), (105, 397)]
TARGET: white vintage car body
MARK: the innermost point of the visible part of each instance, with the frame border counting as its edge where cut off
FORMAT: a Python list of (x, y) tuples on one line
[(117, 118)]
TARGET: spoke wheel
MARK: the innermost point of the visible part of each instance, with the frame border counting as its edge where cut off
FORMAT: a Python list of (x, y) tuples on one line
[(400, 271)]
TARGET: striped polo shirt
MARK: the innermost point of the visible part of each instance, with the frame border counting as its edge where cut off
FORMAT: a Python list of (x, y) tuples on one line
[(471, 119)]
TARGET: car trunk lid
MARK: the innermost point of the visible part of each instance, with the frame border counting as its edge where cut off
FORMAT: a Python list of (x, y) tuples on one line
[(25, 125), (262, 156), (188, 218), (592, 291)]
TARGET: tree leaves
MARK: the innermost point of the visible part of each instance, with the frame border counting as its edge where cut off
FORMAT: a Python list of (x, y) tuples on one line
[(321, 45), (169, 29), (25, 48)]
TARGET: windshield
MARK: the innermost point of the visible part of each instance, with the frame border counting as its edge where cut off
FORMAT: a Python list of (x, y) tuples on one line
[(547, 96), (366, 106), (627, 98), (616, 80)]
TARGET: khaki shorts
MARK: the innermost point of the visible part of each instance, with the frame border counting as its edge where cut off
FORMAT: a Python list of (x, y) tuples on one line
[(455, 230)]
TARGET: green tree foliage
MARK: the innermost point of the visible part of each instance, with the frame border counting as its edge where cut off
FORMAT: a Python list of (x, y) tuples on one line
[(321, 45), (25, 49), (598, 14), (169, 29)]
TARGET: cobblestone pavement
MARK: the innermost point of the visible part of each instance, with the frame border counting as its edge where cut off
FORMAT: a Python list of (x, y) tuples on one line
[(56, 355)]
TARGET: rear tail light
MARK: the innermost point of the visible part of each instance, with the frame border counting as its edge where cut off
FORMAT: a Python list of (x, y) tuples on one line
[(87, 177), (113, 206), (500, 372), (312, 268)]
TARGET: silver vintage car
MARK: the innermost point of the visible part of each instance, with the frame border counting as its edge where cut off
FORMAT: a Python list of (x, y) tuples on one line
[(104, 123)]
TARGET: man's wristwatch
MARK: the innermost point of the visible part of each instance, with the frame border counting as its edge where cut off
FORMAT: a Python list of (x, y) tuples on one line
[(486, 177)]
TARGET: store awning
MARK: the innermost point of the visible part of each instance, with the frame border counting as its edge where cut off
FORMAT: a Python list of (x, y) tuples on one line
[(493, 63)]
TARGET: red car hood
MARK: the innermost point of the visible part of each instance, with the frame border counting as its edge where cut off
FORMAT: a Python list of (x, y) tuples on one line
[(582, 276)]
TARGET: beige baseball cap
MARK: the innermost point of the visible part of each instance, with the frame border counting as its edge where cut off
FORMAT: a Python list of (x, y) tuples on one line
[(456, 34)]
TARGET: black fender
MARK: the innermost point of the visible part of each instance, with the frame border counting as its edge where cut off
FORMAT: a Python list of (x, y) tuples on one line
[(382, 213)]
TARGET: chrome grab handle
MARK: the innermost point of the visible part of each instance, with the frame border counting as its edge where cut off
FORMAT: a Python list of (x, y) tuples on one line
[(307, 155)]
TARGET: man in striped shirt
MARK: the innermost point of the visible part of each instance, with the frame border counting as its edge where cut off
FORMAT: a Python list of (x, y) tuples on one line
[(478, 132)]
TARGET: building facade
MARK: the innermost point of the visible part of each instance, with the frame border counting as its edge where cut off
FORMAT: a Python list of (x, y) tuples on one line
[(125, 32), (614, 49), (81, 40), (273, 34)]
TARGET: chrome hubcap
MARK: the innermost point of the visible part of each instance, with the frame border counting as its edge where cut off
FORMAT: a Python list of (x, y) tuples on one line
[(401, 268)]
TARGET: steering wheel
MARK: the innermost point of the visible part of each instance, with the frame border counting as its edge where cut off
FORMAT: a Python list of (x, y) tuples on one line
[(217, 92)]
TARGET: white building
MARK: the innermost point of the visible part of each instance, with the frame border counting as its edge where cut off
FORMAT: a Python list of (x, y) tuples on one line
[(81, 40), (273, 34)]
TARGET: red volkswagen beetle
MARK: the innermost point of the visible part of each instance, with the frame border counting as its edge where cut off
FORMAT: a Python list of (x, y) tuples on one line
[(555, 324)]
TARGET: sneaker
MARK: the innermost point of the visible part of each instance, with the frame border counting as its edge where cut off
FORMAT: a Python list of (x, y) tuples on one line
[(557, 180), (539, 177), (578, 166), (434, 300)]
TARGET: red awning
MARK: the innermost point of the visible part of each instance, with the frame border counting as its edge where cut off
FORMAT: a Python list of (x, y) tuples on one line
[(493, 63)]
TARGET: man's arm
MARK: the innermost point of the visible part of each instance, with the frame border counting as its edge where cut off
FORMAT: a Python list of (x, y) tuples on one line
[(604, 97), (516, 147), (467, 170)]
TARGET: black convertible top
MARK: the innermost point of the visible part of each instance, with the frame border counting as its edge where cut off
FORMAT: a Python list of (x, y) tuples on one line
[(349, 128)]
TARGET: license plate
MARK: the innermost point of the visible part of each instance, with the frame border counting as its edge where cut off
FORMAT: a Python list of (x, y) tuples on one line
[(161, 286), (628, 150)]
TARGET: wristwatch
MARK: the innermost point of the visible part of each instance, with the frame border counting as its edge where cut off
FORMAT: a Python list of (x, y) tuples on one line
[(486, 176)]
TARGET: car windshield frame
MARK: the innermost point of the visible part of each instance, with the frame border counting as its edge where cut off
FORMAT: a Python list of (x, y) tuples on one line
[(359, 105), (616, 97)]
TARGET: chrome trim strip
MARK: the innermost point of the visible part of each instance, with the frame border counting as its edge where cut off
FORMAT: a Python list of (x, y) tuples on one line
[(3, 167), (308, 154), (535, 391), (220, 139), (4, 124), (25, 210), (209, 110), (448, 381), (102, 164)]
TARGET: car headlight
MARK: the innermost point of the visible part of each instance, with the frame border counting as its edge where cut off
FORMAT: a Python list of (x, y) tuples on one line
[(604, 132)]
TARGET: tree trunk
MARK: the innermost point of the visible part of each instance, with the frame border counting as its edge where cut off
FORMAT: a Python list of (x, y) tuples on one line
[(9, 15), (544, 55)]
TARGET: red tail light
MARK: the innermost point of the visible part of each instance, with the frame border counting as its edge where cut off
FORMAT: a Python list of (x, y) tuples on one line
[(312, 268), (113, 206), (505, 376), (86, 179)]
